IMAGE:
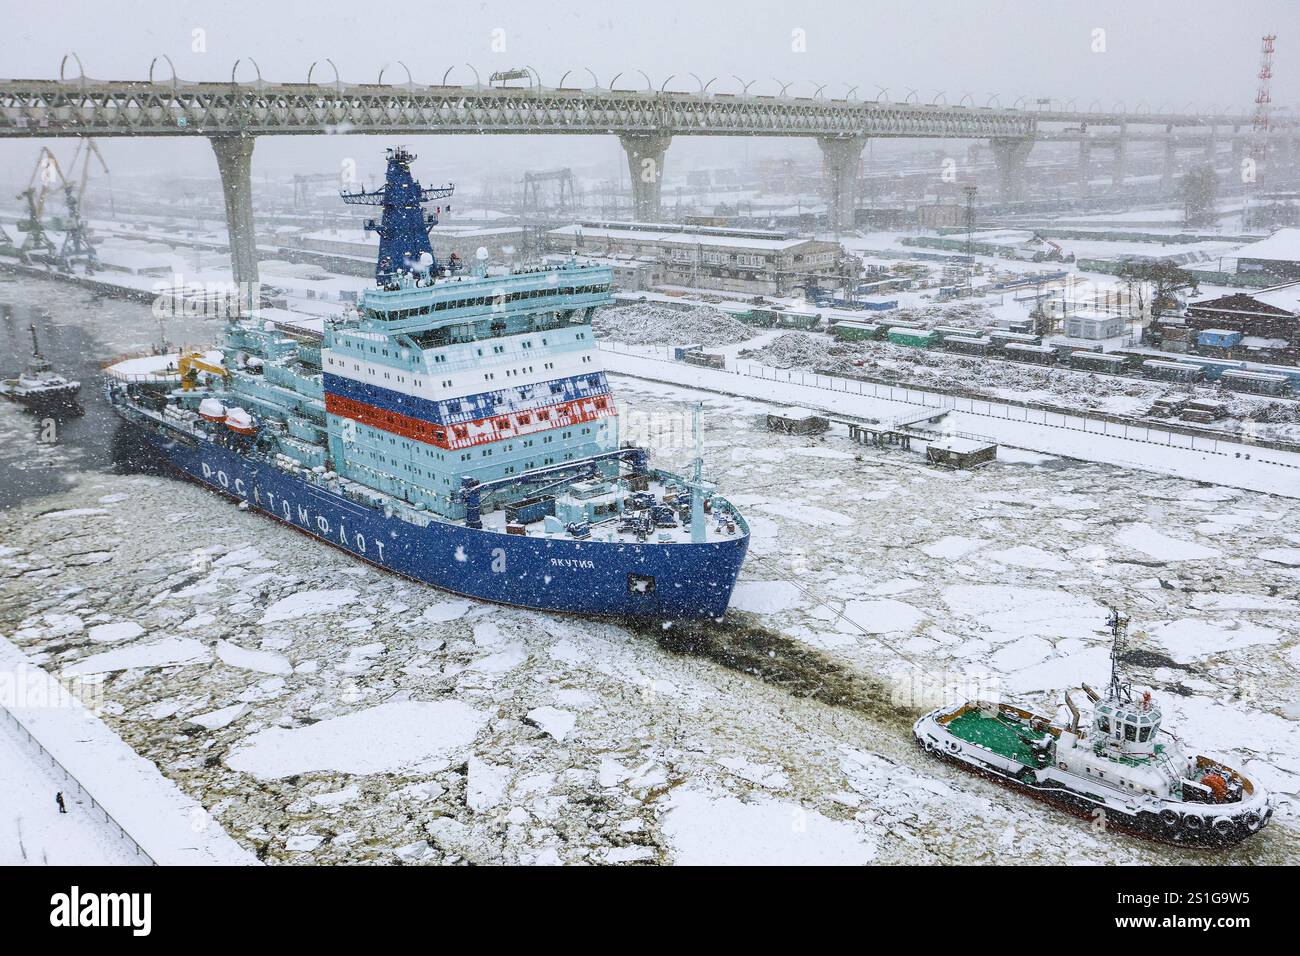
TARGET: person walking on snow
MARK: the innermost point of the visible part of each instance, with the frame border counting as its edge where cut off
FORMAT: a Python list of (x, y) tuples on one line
[(58, 798)]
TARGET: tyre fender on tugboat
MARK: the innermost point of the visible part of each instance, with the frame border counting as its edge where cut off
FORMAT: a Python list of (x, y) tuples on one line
[(1169, 818)]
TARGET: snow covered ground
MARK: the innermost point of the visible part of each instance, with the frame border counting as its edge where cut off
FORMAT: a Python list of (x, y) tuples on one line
[(32, 831), (325, 712)]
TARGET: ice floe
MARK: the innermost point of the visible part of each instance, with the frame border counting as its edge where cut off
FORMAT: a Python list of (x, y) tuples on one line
[(380, 739), (168, 652)]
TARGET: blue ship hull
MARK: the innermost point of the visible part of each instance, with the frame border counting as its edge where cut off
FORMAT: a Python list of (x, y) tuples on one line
[(576, 577)]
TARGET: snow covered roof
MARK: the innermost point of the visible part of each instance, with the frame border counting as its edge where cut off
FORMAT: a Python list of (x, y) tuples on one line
[(1282, 246)]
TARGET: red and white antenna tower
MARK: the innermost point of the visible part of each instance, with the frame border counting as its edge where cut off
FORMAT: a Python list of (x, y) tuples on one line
[(1263, 99)]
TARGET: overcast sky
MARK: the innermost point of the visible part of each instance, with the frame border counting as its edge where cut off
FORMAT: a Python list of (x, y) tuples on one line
[(1157, 52)]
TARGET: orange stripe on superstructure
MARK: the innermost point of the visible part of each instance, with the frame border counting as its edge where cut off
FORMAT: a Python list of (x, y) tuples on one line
[(479, 432)]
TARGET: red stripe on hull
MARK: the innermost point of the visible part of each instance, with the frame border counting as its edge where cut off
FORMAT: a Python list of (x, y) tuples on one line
[(479, 432)]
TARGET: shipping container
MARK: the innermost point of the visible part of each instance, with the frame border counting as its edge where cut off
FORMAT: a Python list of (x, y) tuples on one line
[(1219, 338)]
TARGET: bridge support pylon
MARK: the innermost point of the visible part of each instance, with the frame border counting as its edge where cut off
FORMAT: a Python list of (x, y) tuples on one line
[(1010, 156), (1119, 170), (841, 156), (645, 163), (1170, 165), (235, 162), (1085, 162)]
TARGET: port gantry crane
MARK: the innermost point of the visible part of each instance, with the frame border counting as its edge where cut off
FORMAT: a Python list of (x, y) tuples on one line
[(76, 237), (43, 175), (46, 175)]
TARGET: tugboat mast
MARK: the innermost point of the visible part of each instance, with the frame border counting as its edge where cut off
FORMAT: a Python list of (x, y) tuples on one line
[(1118, 623)]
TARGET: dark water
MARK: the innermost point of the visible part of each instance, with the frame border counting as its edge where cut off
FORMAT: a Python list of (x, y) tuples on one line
[(78, 332)]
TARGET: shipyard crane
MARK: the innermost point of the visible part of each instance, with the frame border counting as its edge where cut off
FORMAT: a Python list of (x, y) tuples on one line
[(43, 175), (76, 237)]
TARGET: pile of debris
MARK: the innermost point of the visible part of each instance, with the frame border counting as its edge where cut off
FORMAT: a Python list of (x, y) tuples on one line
[(644, 323), (963, 315), (803, 350)]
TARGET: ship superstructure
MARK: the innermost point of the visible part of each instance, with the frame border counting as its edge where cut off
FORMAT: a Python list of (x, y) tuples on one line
[(454, 428), (1121, 768)]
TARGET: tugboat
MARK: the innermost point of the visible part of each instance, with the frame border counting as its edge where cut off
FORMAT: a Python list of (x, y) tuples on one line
[(1123, 768), (39, 388), (454, 429)]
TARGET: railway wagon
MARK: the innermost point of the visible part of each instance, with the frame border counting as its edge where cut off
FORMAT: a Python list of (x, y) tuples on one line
[(1213, 367), (956, 330), (1181, 372), (965, 344), (847, 330), (918, 338), (1258, 383), (1098, 362), (1035, 354), (1000, 339)]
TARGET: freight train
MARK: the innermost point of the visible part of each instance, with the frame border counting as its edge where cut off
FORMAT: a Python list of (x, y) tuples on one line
[(1231, 376)]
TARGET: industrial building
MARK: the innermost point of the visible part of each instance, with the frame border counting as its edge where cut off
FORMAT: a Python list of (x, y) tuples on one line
[(751, 261), (1091, 324), (1264, 324), (1278, 255)]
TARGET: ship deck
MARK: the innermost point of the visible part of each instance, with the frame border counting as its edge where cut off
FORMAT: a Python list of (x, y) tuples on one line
[(997, 734), (607, 530)]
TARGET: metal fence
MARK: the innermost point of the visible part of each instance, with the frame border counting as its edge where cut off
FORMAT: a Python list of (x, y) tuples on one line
[(95, 804)]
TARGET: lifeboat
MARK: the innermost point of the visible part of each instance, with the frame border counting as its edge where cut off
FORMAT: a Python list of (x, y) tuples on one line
[(211, 410), (240, 422)]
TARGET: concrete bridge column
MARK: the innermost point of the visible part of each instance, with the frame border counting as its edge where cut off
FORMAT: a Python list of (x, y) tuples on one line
[(1119, 170), (1170, 164), (645, 163), (1085, 163), (1010, 156), (235, 161), (840, 157), (1238, 156)]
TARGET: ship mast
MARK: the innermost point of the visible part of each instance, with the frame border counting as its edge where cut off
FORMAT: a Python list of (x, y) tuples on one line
[(404, 229), (36, 346), (1118, 624)]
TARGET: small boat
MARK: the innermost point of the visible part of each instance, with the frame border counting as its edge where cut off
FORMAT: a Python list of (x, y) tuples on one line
[(1122, 769), (39, 388)]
